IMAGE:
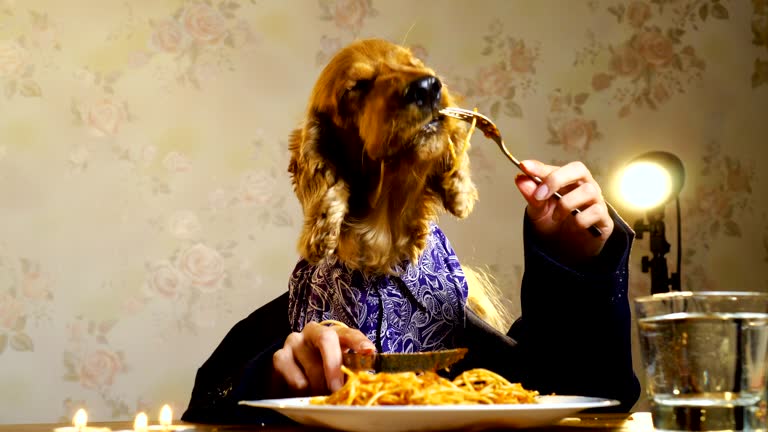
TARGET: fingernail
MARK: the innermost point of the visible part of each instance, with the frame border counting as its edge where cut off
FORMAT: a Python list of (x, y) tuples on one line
[(366, 346), (542, 192), (301, 383), (526, 165)]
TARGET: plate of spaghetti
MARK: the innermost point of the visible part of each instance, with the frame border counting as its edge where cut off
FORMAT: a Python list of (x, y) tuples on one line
[(408, 401)]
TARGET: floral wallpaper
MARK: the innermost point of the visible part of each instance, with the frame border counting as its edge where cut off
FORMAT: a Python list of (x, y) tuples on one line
[(145, 205)]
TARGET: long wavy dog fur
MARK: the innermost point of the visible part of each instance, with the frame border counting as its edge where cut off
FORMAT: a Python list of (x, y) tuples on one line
[(374, 163)]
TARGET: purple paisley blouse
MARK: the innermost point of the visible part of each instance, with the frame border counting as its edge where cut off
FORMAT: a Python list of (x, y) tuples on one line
[(417, 310)]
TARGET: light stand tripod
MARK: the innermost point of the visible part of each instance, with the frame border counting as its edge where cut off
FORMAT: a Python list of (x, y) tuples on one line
[(661, 280)]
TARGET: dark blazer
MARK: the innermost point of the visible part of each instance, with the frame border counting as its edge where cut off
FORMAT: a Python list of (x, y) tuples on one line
[(573, 338)]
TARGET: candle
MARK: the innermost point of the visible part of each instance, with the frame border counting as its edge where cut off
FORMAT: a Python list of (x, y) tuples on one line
[(81, 419), (166, 422), (166, 416), (80, 424), (141, 423)]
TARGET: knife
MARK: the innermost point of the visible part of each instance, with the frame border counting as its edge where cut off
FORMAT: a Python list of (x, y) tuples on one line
[(403, 362)]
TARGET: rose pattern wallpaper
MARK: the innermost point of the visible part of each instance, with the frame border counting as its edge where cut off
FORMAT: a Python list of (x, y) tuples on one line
[(145, 205)]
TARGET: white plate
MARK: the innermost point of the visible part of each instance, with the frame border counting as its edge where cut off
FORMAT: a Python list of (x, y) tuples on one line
[(431, 417)]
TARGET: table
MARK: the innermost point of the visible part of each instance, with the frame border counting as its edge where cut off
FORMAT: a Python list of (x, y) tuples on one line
[(634, 422)]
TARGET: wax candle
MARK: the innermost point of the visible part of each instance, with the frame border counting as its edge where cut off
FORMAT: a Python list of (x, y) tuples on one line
[(81, 418), (80, 424), (141, 423), (166, 422), (166, 416)]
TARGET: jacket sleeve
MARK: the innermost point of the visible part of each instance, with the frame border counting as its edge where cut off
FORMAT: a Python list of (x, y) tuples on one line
[(574, 334), (241, 369)]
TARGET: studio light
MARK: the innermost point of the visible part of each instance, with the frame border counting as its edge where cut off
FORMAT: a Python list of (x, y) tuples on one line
[(649, 182)]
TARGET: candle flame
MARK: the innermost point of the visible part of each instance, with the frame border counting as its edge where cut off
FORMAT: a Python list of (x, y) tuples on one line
[(166, 416), (141, 422), (81, 419)]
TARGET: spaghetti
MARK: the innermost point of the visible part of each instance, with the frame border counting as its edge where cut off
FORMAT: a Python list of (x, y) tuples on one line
[(475, 386)]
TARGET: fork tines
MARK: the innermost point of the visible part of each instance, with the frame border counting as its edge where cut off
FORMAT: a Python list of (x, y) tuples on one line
[(459, 113)]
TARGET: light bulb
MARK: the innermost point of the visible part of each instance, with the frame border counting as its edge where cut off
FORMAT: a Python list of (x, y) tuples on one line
[(645, 185)]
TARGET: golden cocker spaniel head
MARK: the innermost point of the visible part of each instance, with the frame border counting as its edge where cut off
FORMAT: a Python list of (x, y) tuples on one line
[(375, 162)]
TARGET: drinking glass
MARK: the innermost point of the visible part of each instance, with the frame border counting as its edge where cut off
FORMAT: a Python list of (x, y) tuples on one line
[(705, 356)]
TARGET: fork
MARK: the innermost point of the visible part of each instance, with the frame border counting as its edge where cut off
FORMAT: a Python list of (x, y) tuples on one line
[(492, 132)]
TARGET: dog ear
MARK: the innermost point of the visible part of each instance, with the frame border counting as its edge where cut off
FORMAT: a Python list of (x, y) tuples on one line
[(323, 195)]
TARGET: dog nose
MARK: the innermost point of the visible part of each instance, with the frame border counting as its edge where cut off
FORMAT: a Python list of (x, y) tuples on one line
[(424, 92)]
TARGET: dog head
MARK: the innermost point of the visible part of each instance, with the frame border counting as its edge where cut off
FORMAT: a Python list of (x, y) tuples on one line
[(375, 161), (387, 95)]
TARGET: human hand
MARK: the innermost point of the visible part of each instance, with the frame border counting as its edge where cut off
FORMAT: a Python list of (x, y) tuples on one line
[(310, 361), (552, 218)]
